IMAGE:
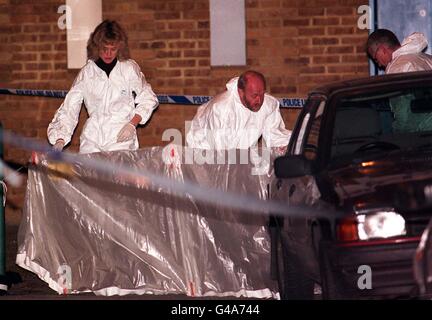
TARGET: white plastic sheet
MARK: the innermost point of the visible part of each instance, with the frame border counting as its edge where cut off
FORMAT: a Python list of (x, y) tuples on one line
[(86, 231)]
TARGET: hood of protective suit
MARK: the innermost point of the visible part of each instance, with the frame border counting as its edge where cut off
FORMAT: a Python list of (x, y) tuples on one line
[(409, 57), (232, 84), (414, 43)]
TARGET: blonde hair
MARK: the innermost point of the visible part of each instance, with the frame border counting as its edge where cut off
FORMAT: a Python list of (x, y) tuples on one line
[(108, 32)]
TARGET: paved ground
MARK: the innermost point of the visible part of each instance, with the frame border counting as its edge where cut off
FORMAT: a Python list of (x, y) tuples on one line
[(30, 284)]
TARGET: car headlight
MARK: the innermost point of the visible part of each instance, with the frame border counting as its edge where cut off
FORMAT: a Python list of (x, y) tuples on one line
[(381, 224), (372, 224)]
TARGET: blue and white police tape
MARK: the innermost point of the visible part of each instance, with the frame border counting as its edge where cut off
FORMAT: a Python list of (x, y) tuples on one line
[(163, 98), (35, 93)]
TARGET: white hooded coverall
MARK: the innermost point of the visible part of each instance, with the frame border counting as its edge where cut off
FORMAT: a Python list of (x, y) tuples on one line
[(409, 57), (225, 123), (110, 105)]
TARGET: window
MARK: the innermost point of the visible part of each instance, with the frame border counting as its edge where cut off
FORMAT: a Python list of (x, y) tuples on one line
[(382, 121), (311, 145)]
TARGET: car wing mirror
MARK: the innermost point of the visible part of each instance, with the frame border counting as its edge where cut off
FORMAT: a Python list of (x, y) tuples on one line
[(292, 166)]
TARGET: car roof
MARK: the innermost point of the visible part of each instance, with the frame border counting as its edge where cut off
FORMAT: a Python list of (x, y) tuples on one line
[(372, 81)]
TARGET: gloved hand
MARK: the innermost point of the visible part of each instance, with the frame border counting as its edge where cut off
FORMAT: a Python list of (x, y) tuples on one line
[(126, 133), (281, 150), (58, 146)]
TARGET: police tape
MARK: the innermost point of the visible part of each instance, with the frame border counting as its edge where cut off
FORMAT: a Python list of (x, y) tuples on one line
[(163, 98)]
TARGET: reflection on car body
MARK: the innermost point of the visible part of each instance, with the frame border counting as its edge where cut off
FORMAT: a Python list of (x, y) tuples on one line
[(364, 148)]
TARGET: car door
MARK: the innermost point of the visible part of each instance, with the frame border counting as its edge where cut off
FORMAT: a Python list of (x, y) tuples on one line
[(296, 231)]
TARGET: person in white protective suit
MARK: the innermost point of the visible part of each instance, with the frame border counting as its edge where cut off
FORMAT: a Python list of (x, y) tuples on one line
[(238, 117), (384, 48), (115, 93)]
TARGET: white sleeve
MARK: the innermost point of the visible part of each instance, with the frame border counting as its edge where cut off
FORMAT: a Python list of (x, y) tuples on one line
[(66, 117), (207, 127), (218, 131), (196, 136), (145, 99), (275, 134)]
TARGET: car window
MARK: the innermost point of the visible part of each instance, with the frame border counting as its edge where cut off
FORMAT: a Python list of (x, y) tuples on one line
[(301, 134), (314, 106), (310, 148), (377, 123)]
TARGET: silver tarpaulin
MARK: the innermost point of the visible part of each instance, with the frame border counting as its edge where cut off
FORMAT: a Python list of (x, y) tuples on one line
[(84, 230)]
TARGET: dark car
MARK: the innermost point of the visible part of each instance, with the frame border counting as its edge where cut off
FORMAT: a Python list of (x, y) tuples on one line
[(361, 150)]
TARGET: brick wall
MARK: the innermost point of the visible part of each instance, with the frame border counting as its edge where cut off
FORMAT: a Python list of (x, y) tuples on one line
[(296, 44)]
